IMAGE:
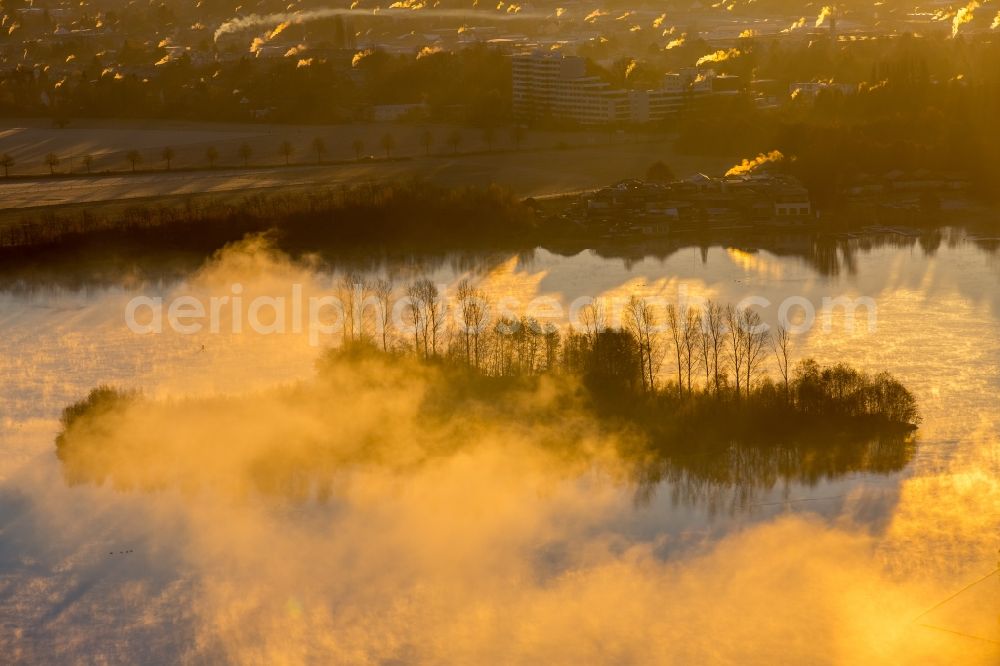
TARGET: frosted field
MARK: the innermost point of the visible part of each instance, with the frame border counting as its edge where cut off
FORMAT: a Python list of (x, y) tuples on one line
[(539, 168)]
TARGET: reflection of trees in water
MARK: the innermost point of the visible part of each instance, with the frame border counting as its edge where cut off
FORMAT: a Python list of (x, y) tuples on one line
[(105, 441), (827, 254), (405, 265), (992, 249), (734, 477), (107, 265), (730, 480), (96, 268), (930, 242)]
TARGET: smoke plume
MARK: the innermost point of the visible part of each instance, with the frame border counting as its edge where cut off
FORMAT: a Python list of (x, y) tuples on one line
[(271, 22), (963, 16), (825, 13), (749, 166), (719, 56)]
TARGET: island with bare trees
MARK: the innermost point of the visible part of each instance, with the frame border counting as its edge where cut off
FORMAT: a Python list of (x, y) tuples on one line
[(707, 393)]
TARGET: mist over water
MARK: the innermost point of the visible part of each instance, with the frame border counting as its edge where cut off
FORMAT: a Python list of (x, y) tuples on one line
[(485, 539)]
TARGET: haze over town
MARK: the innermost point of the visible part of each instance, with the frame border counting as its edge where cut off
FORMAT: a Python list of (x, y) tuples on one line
[(517, 333)]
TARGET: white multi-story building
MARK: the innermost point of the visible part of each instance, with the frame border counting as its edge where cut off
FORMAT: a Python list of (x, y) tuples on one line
[(551, 85), (556, 86)]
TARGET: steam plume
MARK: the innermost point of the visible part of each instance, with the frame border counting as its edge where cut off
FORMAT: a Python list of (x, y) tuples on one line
[(719, 56), (801, 23), (272, 21), (963, 16), (749, 166), (824, 14)]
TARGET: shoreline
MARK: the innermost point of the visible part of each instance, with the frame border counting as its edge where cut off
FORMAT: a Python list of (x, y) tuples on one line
[(167, 236)]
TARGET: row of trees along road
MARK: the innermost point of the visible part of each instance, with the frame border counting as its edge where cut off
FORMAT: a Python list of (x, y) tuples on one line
[(286, 150)]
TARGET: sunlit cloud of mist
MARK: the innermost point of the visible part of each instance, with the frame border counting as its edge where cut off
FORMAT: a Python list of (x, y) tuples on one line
[(482, 538)]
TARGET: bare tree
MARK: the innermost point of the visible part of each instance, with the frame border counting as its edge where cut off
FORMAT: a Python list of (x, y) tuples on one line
[(677, 335), (319, 147), (474, 310), (88, 162), (635, 312), (52, 161), (528, 345), (705, 352), (594, 319), (133, 157), (383, 289), (388, 143), (415, 307), (428, 313), (640, 320), (6, 161), (436, 312), (755, 340), (353, 293), (551, 336), (245, 152), (168, 155), (504, 346), (736, 347), (715, 340), (455, 140), (286, 149), (692, 340), (781, 345)]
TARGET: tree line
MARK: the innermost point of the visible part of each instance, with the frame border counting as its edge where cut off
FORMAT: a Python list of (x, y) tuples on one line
[(713, 354), (242, 155)]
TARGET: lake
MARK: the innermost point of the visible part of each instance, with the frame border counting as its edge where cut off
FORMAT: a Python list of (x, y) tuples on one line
[(498, 554)]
